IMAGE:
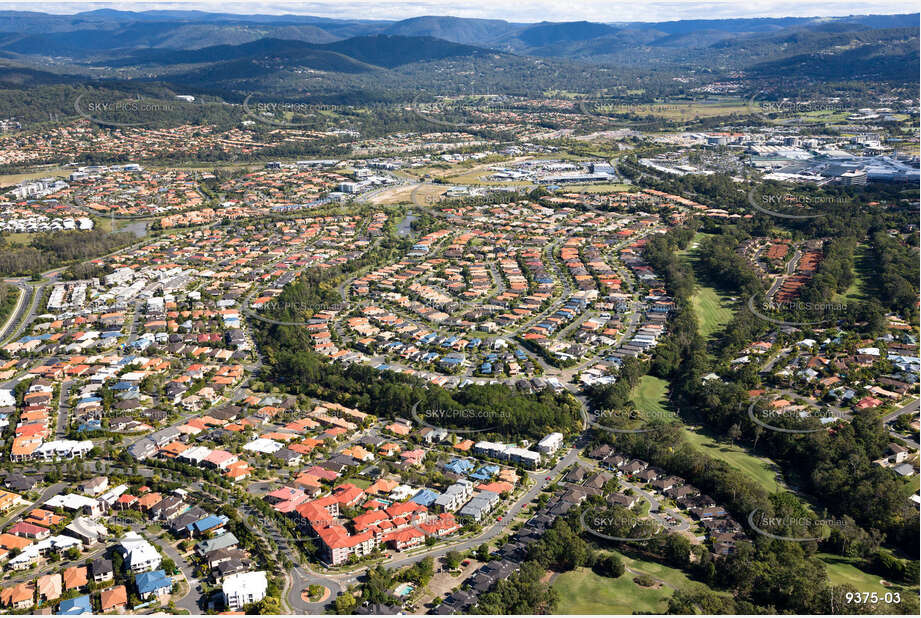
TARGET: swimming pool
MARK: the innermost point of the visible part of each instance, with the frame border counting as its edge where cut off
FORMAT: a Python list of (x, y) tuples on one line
[(404, 590)]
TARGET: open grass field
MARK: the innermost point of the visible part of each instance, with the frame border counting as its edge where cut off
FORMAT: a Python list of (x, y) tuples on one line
[(698, 237), (760, 469), (11, 180), (19, 238), (361, 483), (650, 397), (583, 592), (712, 310), (424, 195), (863, 276), (844, 571)]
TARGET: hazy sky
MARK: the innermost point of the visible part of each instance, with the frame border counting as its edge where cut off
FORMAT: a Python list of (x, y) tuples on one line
[(511, 10)]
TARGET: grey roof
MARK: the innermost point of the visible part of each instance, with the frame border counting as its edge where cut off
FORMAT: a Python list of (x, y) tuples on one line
[(218, 542), (142, 449)]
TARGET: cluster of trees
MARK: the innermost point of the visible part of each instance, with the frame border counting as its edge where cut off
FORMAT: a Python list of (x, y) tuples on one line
[(8, 296), (376, 589), (522, 593), (617, 396), (766, 574), (897, 268), (86, 270), (721, 264), (496, 407), (567, 545), (49, 250)]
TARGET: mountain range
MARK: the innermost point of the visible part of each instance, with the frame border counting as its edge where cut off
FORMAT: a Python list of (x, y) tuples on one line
[(231, 52)]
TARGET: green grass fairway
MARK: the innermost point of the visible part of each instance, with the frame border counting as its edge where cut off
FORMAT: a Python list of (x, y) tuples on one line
[(863, 277), (710, 306), (759, 469), (843, 571), (711, 309), (583, 592), (650, 397)]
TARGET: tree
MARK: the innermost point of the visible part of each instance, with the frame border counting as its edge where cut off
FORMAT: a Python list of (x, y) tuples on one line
[(734, 433), (453, 559), (168, 565), (345, 603), (610, 566)]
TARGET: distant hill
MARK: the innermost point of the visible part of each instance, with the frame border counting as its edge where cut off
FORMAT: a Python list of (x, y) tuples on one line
[(281, 50), (350, 55), (546, 34), (156, 35), (886, 55), (391, 51), (456, 29), (107, 29)]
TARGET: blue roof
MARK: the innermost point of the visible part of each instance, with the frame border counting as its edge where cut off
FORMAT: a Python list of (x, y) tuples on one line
[(94, 424), (459, 466), (485, 472), (75, 606), (123, 386), (152, 581), (425, 497), (209, 522)]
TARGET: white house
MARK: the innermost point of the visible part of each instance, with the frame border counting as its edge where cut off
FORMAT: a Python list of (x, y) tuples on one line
[(550, 443), (244, 588), (139, 555)]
